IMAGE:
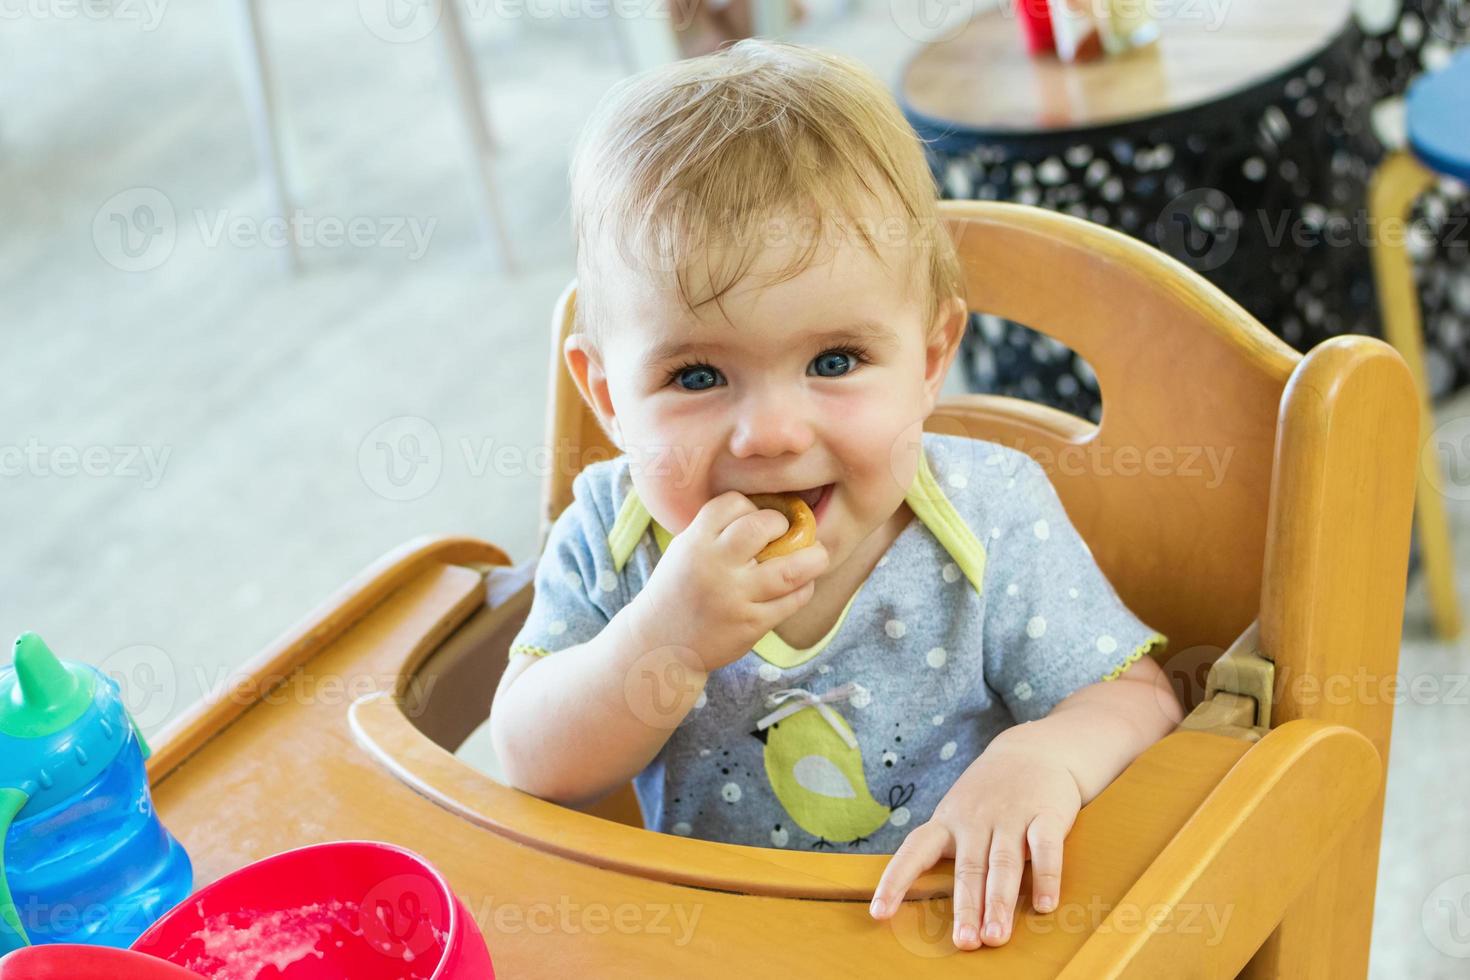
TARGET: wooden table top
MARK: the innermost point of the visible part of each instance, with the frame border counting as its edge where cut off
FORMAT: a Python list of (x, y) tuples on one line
[(1209, 50)]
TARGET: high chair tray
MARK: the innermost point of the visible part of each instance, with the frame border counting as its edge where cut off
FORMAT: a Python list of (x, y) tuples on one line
[(1164, 871)]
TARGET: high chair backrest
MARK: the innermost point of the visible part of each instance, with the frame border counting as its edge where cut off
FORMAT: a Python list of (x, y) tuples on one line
[(1230, 480), (1170, 490)]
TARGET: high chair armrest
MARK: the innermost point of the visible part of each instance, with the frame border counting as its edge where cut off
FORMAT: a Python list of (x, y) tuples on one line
[(1211, 898)]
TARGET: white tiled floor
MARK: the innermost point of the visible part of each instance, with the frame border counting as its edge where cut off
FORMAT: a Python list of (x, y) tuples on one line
[(261, 397)]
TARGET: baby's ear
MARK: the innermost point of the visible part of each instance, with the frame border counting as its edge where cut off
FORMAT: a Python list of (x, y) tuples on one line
[(944, 341), (584, 363)]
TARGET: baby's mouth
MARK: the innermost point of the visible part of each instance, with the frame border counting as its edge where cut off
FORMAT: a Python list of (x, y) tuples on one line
[(813, 496)]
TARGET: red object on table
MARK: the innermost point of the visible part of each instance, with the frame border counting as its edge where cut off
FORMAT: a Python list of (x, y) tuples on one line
[(355, 909), (61, 961), (1035, 17)]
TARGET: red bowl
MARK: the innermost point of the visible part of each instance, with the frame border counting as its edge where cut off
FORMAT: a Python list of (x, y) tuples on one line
[(355, 909), (62, 961)]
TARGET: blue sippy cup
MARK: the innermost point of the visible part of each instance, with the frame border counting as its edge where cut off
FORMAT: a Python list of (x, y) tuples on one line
[(83, 857)]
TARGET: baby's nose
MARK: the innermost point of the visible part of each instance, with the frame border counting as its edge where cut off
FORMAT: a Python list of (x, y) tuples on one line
[(770, 428)]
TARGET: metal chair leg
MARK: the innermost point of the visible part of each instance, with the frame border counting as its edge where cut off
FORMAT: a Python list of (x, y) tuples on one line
[(264, 124), (477, 128)]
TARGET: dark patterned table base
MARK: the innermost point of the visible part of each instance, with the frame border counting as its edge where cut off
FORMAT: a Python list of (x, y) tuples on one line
[(1264, 194)]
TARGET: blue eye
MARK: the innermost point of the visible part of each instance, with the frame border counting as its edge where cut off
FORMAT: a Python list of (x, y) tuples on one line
[(696, 377), (832, 363)]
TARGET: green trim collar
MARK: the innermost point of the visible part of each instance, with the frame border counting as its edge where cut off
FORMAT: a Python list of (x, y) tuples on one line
[(925, 498)]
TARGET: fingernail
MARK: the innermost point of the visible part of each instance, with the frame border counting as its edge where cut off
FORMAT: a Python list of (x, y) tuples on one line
[(993, 931), (878, 907), (967, 935), (1045, 903)]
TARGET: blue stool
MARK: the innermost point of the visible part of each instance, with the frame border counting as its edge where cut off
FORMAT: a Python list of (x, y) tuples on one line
[(1438, 145)]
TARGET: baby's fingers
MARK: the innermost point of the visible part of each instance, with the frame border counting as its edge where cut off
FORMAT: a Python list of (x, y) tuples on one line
[(917, 854), (749, 533), (970, 872), (1002, 884), (1044, 837), (779, 576)]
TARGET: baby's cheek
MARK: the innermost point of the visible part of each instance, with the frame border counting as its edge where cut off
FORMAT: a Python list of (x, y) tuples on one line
[(884, 459), (671, 498)]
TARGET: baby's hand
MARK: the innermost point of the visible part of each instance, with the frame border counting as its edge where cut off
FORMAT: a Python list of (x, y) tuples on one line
[(1010, 803), (708, 594)]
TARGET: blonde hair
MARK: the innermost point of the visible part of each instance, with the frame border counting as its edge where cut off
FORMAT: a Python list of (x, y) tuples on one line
[(720, 150)]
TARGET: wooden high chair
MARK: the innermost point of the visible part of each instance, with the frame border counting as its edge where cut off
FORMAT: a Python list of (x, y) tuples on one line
[(1245, 842)]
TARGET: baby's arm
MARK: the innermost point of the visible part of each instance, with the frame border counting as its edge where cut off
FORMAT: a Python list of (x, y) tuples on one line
[(1018, 801), (573, 725), (1099, 730)]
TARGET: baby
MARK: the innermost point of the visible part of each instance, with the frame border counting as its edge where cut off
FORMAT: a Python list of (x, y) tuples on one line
[(767, 303)]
